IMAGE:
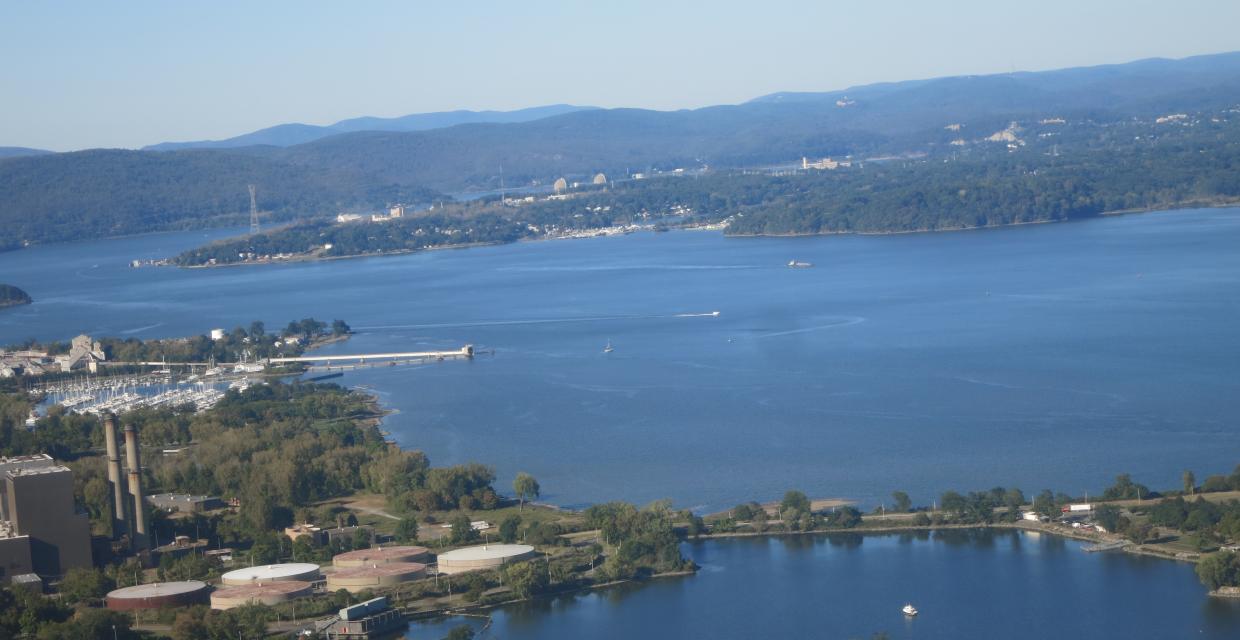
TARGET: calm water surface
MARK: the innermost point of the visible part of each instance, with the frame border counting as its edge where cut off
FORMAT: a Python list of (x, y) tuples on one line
[(966, 584), (1050, 356)]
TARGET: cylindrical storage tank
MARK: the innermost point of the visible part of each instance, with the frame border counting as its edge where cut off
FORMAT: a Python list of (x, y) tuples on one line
[(378, 576), (268, 593), (158, 595), (299, 571), (488, 556), (382, 555)]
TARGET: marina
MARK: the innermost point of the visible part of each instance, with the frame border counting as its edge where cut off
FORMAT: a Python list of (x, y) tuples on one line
[(96, 395)]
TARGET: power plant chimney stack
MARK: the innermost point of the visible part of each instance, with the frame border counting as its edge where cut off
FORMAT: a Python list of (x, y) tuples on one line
[(119, 522), (135, 488)]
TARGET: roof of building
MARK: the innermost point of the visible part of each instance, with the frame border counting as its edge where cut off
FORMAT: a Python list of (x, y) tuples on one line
[(487, 552), (29, 471), (266, 588), (381, 554), (36, 457), (270, 572), (158, 589)]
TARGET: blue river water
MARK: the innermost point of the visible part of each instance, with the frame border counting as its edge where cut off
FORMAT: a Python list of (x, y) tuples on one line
[(1052, 356), (965, 584)]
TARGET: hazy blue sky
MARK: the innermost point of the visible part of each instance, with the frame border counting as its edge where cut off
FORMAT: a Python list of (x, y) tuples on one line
[(88, 74)]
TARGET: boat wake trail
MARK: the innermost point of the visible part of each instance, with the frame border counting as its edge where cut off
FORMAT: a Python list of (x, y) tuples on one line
[(141, 329), (844, 322)]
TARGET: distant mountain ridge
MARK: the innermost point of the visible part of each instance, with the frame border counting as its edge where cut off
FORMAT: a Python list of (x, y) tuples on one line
[(65, 196), (880, 119), (18, 152), (285, 135)]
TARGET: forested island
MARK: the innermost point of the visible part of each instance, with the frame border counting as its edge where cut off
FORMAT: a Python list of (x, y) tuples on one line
[(1041, 171), (11, 296)]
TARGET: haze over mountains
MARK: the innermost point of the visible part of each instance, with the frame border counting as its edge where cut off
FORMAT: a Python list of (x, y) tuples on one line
[(284, 135), (61, 196), (17, 152)]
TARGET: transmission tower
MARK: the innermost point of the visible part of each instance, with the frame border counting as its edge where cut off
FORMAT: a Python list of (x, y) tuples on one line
[(253, 213)]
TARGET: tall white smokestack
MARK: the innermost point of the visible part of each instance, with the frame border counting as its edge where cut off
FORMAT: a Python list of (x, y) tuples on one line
[(119, 522), (135, 487)]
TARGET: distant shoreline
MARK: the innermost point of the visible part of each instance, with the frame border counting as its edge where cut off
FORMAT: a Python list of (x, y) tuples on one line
[(1189, 204), (303, 258)]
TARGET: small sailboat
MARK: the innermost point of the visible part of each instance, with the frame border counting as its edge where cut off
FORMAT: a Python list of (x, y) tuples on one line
[(608, 348), (909, 610)]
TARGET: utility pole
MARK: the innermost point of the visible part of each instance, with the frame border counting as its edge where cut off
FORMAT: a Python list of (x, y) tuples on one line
[(253, 213)]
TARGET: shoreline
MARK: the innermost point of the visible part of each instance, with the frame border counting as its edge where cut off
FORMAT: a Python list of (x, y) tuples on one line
[(478, 610), (1189, 204), (1180, 206)]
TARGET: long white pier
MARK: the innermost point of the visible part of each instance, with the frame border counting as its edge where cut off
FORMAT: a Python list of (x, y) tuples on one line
[(466, 351)]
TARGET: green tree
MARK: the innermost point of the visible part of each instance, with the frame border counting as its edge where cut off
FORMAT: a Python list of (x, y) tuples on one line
[(1013, 500), (407, 530), (526, 578), (509, 527), (90, 623), (1125, 489), (1044, 504), (747, 511), (462, 530), (340, 328), (845, 517), (1108, 515), (1190, 483), (460, 632), (1219, 570), (794, 502), (900, 502), (84, 585), (526, 487)]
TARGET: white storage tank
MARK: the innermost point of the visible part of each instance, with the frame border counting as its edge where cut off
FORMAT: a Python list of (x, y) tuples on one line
[(489, 556), (299, 571)]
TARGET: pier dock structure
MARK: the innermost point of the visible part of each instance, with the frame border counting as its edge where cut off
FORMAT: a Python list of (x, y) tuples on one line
[(465, 352)]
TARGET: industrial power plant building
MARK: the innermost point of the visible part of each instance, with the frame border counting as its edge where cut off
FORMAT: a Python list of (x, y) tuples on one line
[(41, 530)]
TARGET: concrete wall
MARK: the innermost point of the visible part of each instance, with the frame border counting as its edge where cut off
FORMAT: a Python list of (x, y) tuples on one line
[(14, 557), (41, 505)]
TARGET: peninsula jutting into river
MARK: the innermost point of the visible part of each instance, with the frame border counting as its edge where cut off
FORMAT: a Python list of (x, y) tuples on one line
[(986, 187)]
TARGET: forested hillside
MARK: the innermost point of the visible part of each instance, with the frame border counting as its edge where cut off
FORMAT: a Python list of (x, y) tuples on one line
[(1065, 171), (103, 193)]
